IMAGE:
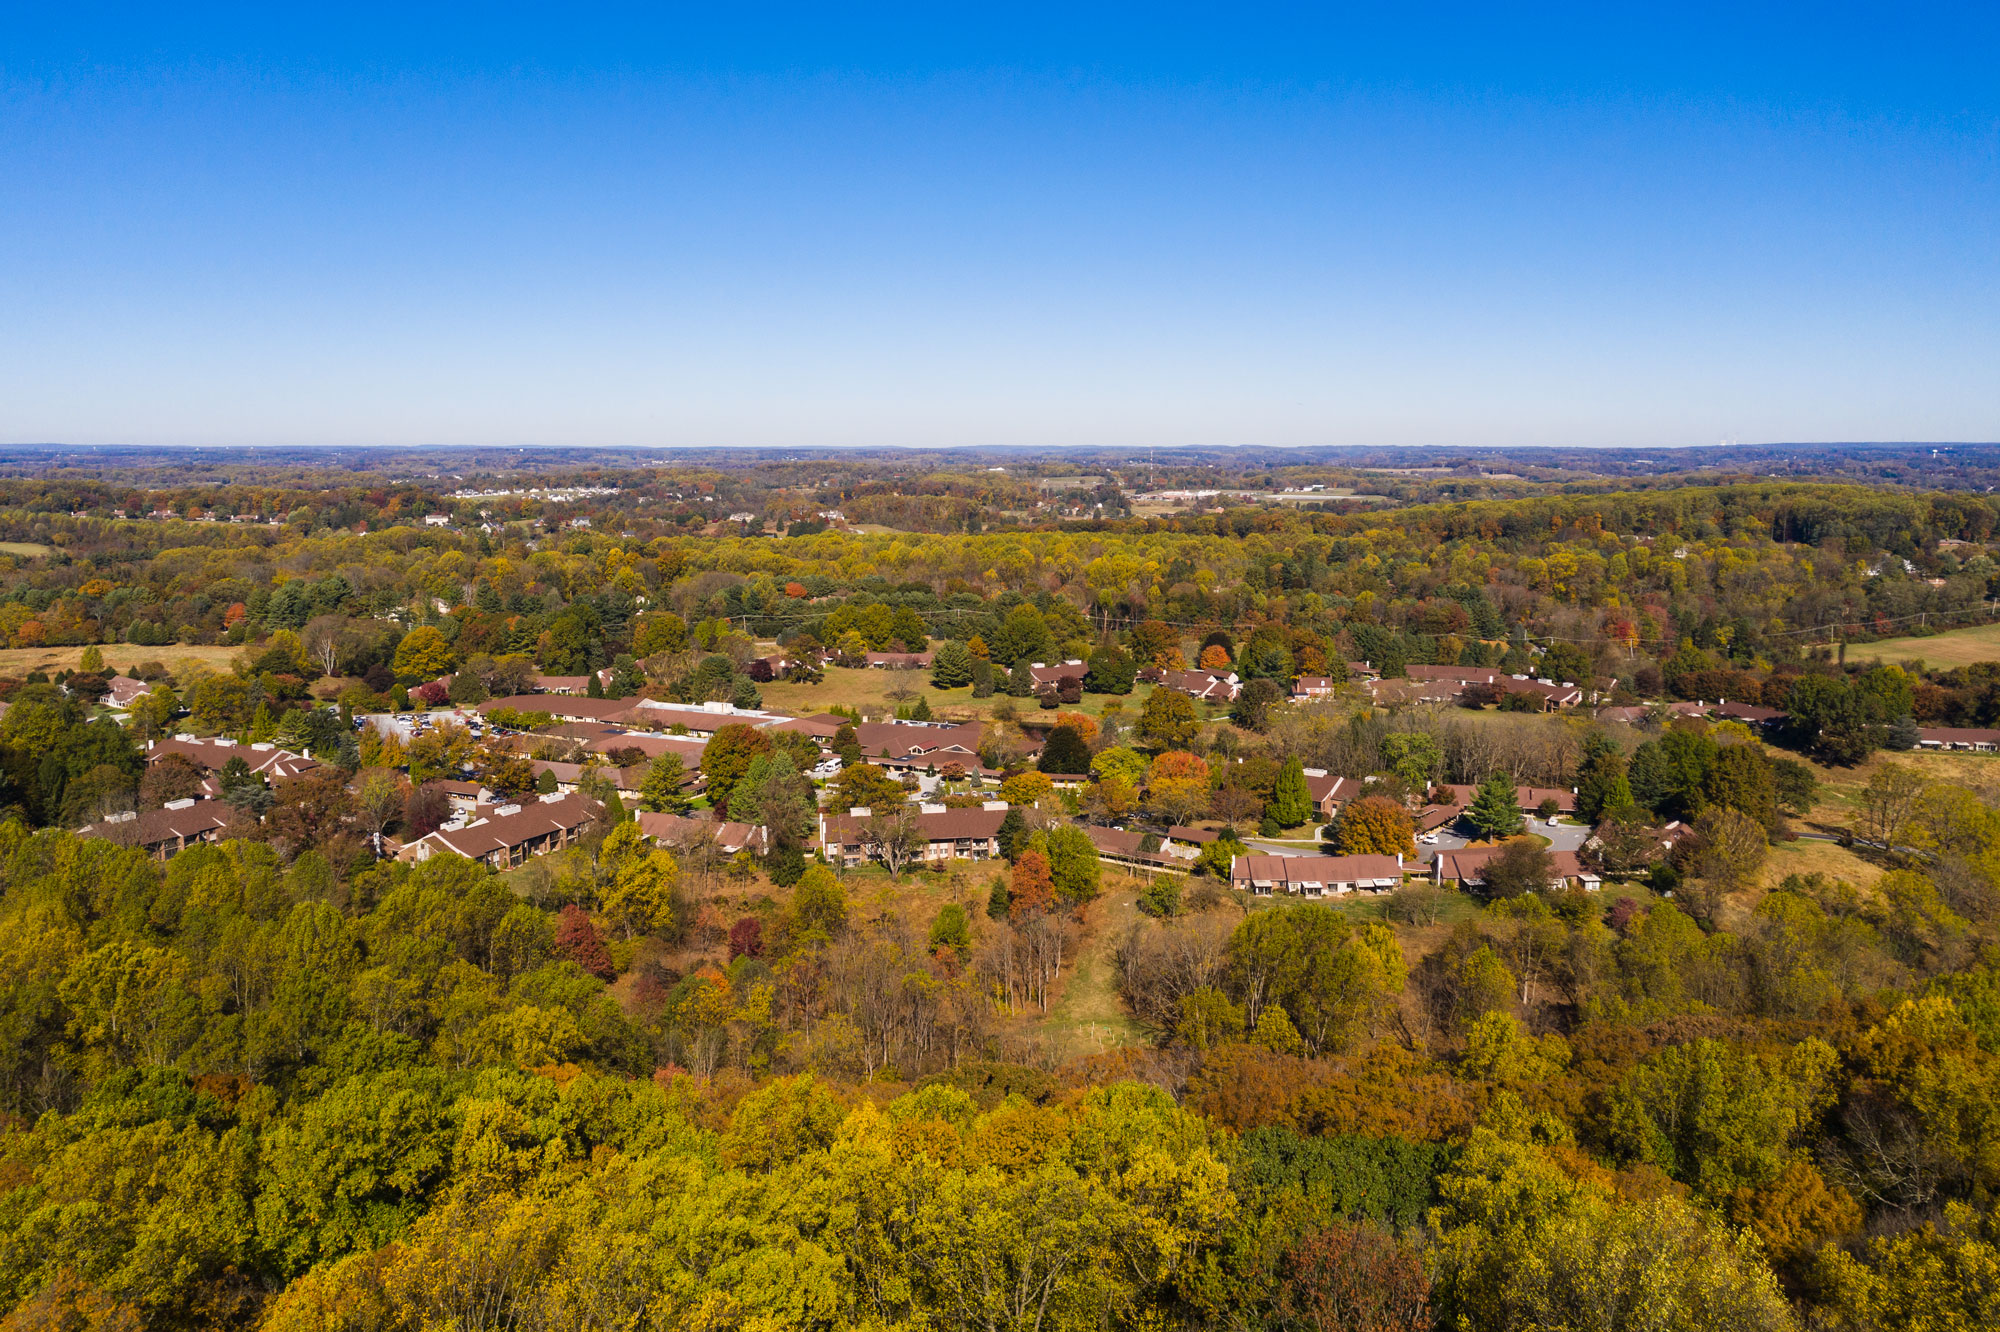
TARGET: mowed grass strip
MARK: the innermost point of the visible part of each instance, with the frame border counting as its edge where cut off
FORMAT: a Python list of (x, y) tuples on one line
[(1957, 647), (120, 657)]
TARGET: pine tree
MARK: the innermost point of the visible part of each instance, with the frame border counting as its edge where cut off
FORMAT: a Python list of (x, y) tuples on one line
[(1112, 671), (1494, 811), (1291, 804), (1601, 785), (1065, 752), (662, 792), (1013, 831), (1000, 899), (951, 666)]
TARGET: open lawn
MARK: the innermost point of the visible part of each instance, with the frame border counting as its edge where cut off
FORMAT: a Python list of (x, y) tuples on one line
[(1956, 647), (25, 549), (868, 691), (1808, 857), (1840, 788), (121, 657)]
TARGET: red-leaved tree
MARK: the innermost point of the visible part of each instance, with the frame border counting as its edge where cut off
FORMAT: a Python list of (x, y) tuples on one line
[(746, 938), (576, 939), (1354, 1277)]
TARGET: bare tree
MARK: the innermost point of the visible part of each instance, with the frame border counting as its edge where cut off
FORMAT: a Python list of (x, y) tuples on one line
[(1888, 804), (1157, 964), (894, 837), (324, 637), (378, 798)]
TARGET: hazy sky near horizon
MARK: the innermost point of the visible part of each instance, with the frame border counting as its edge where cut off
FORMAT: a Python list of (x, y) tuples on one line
[(1064, 225)]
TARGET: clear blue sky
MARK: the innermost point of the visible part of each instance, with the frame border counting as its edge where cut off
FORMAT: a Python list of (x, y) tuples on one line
[(1506, 223)]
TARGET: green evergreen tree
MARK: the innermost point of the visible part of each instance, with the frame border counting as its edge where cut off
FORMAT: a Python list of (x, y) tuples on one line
[(661, 793), (951, 665), (1601, 784), (1112, 671), (1000, 900), (1291, 803), (1494, 811), (1065, 753), (1013, 832)]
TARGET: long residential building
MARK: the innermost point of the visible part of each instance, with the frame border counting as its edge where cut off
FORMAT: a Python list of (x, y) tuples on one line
[(1316, 876), (948, 834), (510, 834), (678, 830), (164, 833), (212, 756)]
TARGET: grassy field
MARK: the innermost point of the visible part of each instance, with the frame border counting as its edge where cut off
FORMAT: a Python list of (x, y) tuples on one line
[(1840, 788), (1959, 647), (869, 691), (121, 657), (25, 549), (1089, 1017), (1809, 857)]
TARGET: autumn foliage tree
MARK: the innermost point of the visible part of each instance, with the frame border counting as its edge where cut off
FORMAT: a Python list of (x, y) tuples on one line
[(577, 940), (1032, 887), (1374, 826), (1350, 1276)]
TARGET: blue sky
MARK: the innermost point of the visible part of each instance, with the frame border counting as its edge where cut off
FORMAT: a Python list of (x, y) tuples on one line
[(1130, 226)]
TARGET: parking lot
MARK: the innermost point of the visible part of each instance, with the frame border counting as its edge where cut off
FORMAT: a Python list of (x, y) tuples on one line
[(1563, 835)]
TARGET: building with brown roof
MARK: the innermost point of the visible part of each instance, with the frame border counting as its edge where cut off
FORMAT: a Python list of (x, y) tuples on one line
[(679, 830), (564, 707), (948, 834), (821, 726), (123, 691), (265, 760), (1465, 868), (1750, 714), (560, 684), (1208, 686), (1127, 848), (1047, 678), (511, 833), (164, 833), (934, 742), (899, 661), (1316, 876), (1328, 792), (462, 797), (1957, 737)]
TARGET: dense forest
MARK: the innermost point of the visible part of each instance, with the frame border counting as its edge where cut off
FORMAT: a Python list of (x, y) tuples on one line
[(1764, 571), (277, 1082)]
